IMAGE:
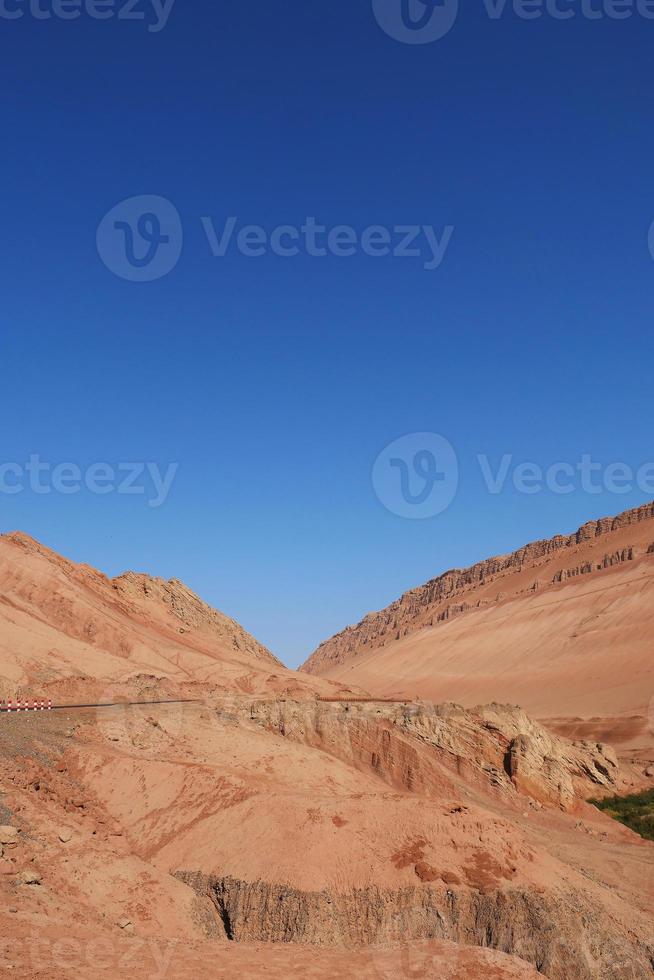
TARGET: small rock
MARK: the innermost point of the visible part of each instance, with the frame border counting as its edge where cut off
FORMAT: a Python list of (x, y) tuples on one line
[(13, 909), (30, 877), (6, 867), (65, 836), (650, 771), (8, 835), (124, 923)]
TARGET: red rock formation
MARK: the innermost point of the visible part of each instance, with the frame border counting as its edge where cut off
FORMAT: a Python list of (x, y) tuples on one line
[(563, 627), (424, 605)]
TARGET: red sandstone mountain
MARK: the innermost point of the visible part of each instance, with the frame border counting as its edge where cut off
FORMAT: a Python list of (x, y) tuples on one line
[(66, 627), (564, 627), (262, 831)]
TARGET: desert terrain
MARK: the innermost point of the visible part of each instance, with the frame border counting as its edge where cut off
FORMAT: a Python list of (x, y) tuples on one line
[(562, 627), (228, 816)]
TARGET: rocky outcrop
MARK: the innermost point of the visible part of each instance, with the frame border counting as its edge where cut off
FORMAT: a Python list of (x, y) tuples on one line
[(608, 561), (476, 880), (431, 604), (546, 767), (191, 611), (496, 746), (538, 928)]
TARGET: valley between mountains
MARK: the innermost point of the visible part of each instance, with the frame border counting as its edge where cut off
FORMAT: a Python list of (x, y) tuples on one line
[(412, 803)]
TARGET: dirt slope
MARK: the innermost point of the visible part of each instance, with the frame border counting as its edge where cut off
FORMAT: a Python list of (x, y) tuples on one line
[(296, 823), (562, 627)]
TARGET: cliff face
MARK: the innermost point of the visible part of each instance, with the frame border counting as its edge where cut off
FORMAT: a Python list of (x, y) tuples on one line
[(534, 567), (534, 927), (413, 746)]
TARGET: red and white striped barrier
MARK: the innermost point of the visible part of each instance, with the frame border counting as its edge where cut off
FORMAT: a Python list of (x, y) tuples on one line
[(23, 704)]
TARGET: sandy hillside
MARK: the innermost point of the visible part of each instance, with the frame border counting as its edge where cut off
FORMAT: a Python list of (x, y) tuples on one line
[(563, 627)]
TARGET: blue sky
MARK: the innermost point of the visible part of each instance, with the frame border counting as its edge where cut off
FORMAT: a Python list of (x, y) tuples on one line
[(275, 382)]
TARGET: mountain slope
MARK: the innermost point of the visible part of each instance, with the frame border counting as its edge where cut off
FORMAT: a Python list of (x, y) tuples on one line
[(562, 627), (65, 626)]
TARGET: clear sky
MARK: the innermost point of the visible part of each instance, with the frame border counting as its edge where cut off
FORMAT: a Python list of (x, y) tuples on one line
[(276, 381)]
